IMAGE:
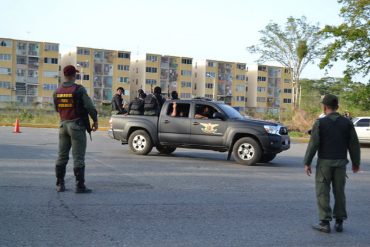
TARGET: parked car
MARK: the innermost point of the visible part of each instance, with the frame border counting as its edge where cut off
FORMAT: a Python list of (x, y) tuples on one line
[(362, 126), (223, 129)]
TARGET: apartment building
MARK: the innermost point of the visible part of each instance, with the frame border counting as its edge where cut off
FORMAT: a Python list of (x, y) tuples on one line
[(171, 73), (101, 71), (29, 70), (269, 89), (222, 81)]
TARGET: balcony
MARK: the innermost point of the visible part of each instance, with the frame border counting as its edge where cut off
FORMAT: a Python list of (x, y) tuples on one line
[(32, 80), (33, 53), (21, 79)]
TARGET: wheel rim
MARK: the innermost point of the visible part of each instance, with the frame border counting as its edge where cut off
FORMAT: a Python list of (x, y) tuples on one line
[(139, 143), (246, 151)]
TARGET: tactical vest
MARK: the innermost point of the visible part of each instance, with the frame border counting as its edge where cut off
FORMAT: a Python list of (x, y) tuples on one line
[(334, 138), (67, 103), (137, 105)]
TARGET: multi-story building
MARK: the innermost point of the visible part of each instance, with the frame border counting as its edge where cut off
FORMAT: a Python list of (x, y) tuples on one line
[(101, 71), (29, 70), (222, 81), (171, 73), (269, 89)]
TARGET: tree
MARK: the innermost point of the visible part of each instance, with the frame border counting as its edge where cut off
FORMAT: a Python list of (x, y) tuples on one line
[(351, 39), (294, 46)]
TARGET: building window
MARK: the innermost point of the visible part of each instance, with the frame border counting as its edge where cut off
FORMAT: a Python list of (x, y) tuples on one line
[(47, 86), (5, 57), (5, 71), (120, 67), (186, 84), (261, 99), (51, 47), (151, 58), (126, 67), (262, 68), (287, 81), (211, 64), (151, 70), (241, 66), (5, 84), (86, 77), (50, 74), (287, 101), (185, 95), (150, 81), (123, 55), (246, 78), (261, 78), (239, 98), (186, 61), (50, 60), (246, 99), (209, 85), (287, 90), (186, 72), (5, 43), (123, 67), (211, 74), (4, 98), (21, 60), (210, 96), (287, 71), (123, 79), (240, 88), (83, 51), (240, 77), (261, 89)]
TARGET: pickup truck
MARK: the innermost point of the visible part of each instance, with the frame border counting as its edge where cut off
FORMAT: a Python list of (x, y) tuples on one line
[(221, 128)]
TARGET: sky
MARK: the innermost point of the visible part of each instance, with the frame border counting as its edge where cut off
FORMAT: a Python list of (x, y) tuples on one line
[(202, 29)]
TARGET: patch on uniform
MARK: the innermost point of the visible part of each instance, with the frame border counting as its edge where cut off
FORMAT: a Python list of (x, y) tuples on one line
[(209, 128)]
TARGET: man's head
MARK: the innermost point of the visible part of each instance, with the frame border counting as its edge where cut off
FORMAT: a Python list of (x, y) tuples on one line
[(330, 103), (157, 90), (174, 95), (120, 90), (70, 72)]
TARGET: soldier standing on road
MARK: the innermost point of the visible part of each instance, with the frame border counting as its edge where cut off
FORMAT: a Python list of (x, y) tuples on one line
[(332, 136), (73, 105)]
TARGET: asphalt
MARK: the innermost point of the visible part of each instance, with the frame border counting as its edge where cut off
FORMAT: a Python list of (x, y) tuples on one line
[(190, 198)]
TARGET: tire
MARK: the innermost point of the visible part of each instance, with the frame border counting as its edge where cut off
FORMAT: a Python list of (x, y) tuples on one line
[(247, 151), (165, 149), (140, 142), (267, 158)]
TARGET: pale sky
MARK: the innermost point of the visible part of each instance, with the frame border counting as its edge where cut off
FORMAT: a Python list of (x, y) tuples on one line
[(208, 29)]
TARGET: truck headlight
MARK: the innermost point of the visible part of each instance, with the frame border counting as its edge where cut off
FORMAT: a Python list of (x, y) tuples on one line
[(272, 129)]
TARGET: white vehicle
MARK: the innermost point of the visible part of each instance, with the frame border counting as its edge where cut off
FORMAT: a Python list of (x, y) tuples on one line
[(362, 126)]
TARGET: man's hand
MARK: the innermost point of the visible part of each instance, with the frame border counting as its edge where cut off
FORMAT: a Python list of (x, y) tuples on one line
[(94, 126), (355, 168), (307, 169)]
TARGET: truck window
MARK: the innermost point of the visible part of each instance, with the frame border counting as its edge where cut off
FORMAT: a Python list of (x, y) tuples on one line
[(204, 111), (178, 109)]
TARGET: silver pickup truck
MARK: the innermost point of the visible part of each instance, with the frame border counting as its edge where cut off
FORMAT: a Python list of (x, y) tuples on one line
[(220, 128)]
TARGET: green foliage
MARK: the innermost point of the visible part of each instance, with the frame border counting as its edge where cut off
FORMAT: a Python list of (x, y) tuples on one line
[(351, 39)]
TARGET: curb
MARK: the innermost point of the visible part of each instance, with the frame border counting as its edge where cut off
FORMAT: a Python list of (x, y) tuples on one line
[(47, 126)]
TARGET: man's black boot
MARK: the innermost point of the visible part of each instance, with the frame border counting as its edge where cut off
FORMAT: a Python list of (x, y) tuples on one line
[(339, 225), (60, 172), (80, 180), (323, 226)]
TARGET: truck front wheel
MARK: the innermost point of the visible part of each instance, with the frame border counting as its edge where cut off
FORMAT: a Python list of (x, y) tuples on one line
[(140, 142), (247, 151)]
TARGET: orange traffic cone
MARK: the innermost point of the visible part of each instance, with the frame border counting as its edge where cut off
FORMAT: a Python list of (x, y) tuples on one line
[(16, 126)]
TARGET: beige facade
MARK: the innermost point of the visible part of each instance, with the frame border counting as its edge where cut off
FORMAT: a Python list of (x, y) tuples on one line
[(29, 70), (171, 73), (220, 80), (269, 89), (101, 71)]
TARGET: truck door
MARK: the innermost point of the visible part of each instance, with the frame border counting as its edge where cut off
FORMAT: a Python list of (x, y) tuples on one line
[(174, 123), (205, 130)]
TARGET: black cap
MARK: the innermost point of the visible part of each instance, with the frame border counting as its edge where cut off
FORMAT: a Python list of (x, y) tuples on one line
[(330, 100), (121, 88)]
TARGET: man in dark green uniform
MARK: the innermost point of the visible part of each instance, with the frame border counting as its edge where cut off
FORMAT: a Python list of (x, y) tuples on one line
[(73, 105), (331, 137)]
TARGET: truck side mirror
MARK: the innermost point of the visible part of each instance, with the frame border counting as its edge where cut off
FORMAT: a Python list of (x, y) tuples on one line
[(219, 116)]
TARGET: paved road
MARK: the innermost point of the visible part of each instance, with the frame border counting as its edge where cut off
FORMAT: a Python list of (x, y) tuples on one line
[(191, 198)]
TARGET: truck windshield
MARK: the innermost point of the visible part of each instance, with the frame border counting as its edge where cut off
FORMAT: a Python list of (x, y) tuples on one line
[(230, 112)]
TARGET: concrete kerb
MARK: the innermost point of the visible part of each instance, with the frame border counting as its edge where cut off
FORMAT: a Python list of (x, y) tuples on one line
[(52, 126)]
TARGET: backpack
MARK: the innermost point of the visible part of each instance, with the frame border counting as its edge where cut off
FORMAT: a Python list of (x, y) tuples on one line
[(137, 107)]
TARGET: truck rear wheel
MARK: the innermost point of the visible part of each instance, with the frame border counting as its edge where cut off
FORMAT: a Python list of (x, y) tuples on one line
[(140, 142), (267, 158), (247, 151), (165, 149)]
